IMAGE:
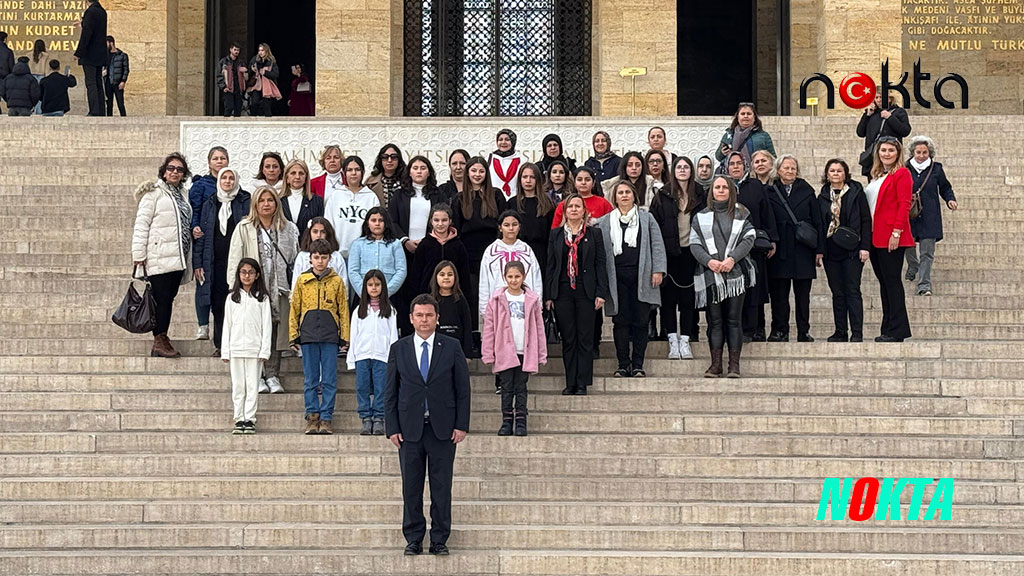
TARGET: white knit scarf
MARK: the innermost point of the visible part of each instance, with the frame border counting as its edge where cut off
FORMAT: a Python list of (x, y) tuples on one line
[(632, 221)]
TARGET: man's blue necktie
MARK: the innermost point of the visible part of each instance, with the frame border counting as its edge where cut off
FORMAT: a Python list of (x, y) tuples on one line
[(424, 369)]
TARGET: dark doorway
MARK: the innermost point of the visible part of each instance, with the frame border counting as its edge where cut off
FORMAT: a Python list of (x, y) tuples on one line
[(289, 28), (731, 52)]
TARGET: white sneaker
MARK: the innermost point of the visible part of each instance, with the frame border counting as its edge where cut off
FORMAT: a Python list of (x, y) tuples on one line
[(264, 389), (203, 333), (275, 385), (673, 347), (684, 348)]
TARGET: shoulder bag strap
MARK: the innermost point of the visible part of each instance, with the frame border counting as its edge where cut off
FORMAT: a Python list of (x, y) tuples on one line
[(278, 250), (926, 177), (785, 203)]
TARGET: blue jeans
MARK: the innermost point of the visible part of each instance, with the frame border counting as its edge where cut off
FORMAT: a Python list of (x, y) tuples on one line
[(320, 367), (370, 376), (57, 113), (202, 312)]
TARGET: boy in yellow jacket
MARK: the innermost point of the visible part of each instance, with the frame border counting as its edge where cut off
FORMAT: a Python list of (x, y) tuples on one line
[(319, 324)]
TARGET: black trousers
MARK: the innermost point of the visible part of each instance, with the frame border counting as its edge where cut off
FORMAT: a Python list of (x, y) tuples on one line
[(513, 391), (847, 303), (218, 299), (258, 105), (779, 288), (576, 319), (94, 90), (417, 460), (165, 290), (629, 325), (725, 323), (756, 296), (232, 103), (888, 266), (114, 94), (677, 294), (473, 295)]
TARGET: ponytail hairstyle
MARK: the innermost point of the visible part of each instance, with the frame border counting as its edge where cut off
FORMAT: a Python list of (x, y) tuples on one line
[(259, 286), (364, 298)]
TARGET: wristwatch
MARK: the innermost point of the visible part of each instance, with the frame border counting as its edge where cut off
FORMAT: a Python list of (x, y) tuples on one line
[(896, 233)]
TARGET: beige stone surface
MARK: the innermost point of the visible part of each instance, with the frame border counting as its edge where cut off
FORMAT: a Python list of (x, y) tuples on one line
[(628, 33)]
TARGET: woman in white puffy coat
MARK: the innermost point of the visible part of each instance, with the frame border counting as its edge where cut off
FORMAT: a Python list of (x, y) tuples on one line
[(162, 243)]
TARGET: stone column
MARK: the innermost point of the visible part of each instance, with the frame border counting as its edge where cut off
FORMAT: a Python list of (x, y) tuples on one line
[(147, 30), (632, 33), (353, 57)]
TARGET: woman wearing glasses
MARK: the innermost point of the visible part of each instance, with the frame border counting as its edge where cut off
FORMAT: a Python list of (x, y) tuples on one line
[(386, 178), (745, 135), (162, 243), (889, 195)]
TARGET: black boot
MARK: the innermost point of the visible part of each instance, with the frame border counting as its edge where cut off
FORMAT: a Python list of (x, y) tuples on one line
[(520, 425), (506, 424), (715, 370), (734, 363)]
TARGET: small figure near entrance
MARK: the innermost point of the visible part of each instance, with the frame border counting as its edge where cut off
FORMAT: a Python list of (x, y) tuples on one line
[(300, 99), (231, 81), (92, 54), (264, 91), (115, 74)]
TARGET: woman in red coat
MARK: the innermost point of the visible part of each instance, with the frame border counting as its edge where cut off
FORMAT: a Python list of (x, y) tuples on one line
[(888, 197)]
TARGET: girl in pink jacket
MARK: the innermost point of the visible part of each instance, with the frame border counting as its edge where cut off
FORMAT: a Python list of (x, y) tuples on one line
[(513, 343)]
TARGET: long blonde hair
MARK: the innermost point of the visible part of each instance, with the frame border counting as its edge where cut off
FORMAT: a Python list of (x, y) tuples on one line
[(877, 170), (286, 189), (270, 55), (278, 221)]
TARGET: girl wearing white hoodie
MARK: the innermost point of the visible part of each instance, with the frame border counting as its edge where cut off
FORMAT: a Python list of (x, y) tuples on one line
[(245, 344), (374, 328), (502, 251)]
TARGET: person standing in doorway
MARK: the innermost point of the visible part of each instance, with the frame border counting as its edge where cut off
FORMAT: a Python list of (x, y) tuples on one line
[(38, 65), (92, 54), (231, 80), (427, 405), (115, 76), (261, 97)]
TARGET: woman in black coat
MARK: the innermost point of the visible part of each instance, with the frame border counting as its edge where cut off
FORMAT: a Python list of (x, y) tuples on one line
[(793, 263), (930, 179), (536, 211), (409, 211), (297, 191), (878, 121), (441, 243), (844, 204), (754, 197), (575, 286)]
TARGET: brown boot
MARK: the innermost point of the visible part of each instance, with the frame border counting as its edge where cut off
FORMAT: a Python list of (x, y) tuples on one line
[(162, 347), (313, 424), (325, 427), (715, 370), (734, 363)]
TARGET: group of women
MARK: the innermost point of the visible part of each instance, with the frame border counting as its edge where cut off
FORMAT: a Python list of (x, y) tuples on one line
[(630, 238)]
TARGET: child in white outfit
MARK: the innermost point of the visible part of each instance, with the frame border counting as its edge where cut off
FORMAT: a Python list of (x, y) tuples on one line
[(245, 344)]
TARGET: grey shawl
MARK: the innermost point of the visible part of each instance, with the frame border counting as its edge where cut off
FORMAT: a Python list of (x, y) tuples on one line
[(712, 287)]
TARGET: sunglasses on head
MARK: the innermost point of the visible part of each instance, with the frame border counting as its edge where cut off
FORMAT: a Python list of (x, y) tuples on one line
[(888, 140)]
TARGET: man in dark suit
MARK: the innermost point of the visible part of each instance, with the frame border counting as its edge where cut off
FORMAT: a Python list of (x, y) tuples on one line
[(427, 414), (92, 55)]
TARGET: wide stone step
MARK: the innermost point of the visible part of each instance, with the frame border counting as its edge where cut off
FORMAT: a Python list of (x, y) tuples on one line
[(549, 563), (609, 444), (78, 495)]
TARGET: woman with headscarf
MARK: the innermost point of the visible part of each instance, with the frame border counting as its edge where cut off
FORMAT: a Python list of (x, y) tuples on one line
[(386, 178), (752, 195), (705, 172), (745, 135), (552, 152), (504, 164), (604, 163), (220, 214)]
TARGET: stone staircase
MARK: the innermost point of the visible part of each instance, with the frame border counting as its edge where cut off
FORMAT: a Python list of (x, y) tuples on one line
[(112, 462)]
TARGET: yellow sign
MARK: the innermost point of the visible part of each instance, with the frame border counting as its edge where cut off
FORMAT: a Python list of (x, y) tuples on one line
[(812, 101), (634, 71)]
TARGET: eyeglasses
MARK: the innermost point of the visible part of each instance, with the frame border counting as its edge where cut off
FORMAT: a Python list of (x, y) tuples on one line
[(246, 272), (389, 156), (178, 169)]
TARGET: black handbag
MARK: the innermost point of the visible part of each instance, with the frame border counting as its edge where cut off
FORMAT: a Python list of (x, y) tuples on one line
[(551, 327), (846, 238), (137, 312), (762, 241), (867, 157), (806, 234)]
